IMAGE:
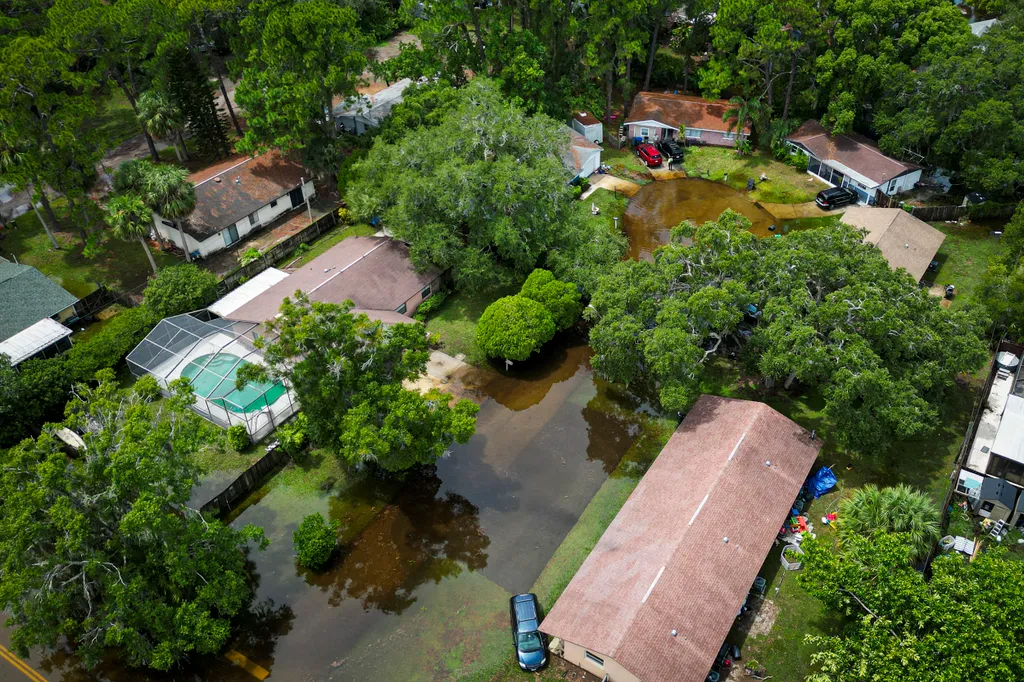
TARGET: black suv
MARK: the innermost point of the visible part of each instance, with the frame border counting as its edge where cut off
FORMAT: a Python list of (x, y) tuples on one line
[(834, 197), (524, 611), (671, 149)]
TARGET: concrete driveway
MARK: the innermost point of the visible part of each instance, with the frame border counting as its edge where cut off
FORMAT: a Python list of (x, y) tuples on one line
[(610, 182)]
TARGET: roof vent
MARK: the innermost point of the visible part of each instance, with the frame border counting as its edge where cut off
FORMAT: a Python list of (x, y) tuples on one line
[(725, 540), (674, 633), (238, 179), (767, 462), (216, 179), (906, 246)]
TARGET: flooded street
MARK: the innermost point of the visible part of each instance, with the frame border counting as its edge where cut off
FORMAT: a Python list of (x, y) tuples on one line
[(660, 206), (420, 587)]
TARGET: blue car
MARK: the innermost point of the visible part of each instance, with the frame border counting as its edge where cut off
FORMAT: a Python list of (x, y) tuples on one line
[(529, 642)]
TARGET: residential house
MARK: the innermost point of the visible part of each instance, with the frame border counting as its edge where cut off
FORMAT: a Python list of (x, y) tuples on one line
[(233, 200), (905, 241), (992, 478), (32, 308), (589, 126), (359, 114), (660, 591), (580, 156), (695, 120), (852, 161), (375, 273)]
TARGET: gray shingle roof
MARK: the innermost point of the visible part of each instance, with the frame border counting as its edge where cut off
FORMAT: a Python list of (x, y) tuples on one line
[(27, 296)]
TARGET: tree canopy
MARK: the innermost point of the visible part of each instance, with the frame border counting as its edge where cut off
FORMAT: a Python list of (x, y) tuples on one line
[(180, 289), (961, 625), (436, 189), (830, 313), (102, 551), (899, 509), (514, 328), (348, 372), (1002, 288)]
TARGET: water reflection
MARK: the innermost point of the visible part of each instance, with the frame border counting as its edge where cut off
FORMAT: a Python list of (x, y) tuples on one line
[(660, 206), (422, 536)]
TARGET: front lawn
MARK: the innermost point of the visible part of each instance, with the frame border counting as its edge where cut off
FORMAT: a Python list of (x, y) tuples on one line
[(963, 258), (626, 165), (611, 204), (118, 264), (785, 184)]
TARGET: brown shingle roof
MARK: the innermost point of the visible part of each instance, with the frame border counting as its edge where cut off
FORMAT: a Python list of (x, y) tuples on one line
[(234, 191), (374, 273), (662, 564), (586, 119), (905, 241), (852, 150), (680, 111)]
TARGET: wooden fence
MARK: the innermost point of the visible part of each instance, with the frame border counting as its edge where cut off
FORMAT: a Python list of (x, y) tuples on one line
[(250, 479), (931, 214), (277, 252)]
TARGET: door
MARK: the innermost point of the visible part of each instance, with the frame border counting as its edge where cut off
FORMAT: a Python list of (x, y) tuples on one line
[(296, 197), (230, 235)]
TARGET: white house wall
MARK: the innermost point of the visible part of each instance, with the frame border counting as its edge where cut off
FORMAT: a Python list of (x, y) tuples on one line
[(215, 242)]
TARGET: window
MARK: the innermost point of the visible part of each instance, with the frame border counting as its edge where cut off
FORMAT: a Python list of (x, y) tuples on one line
[(645, 132), (425, 292), (1006, 469), (892, 187), (692, 132), (401, 309), (273, 203), (254, 218), (987, 506), (728, 136), (594, 659)]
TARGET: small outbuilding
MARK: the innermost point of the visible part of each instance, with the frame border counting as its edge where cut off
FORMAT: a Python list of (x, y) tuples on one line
[(581, 157), (359, 114), (32, 308), (661, 589), (589, 126), (905, 241)]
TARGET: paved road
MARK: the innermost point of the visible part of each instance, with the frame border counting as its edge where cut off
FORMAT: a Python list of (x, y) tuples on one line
[(13, 669)]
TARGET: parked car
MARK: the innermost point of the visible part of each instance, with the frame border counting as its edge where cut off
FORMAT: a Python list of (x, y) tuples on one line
[(649, 154), (834, 197), (671, 150), (529, 642)]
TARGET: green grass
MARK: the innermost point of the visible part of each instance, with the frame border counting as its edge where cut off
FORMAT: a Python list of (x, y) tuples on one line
[(455, 322), (963, 258), (810, 223), (120, 265), (325, 242), (785, 184), (115, 120), (626, 165), (612, 205)]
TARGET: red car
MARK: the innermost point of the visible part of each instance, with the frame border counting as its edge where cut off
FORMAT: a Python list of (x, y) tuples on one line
[(649, 154)]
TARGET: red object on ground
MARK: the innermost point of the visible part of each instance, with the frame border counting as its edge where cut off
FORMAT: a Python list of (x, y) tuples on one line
[(649, 154)]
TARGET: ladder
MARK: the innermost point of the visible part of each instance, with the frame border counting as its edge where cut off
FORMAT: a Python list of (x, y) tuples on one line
[(998, 530)]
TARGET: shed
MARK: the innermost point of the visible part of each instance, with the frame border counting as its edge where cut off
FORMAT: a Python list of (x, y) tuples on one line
[(27, 296), (589, 126), (581, 157), (662, 587), (997, 499), (359, 114), (46, 337)]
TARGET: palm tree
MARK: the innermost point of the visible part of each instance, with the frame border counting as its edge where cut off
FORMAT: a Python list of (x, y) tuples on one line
[(742, 113), (130, 218), (895, 510), (170, 193), (162, 119), (132, 176)]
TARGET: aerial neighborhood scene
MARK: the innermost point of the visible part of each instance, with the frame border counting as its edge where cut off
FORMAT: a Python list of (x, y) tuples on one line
[(500, 340)]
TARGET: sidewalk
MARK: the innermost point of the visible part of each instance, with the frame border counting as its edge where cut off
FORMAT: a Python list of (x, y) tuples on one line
[(610, 182)]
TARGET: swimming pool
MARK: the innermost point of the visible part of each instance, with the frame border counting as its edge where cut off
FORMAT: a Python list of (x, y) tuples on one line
[(213, 378)]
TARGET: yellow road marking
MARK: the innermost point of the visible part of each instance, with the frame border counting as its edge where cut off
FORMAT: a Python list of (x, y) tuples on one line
[(247, 665), (21, 665)]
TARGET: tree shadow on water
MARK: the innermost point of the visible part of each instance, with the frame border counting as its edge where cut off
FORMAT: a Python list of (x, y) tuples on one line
[(420, 537)]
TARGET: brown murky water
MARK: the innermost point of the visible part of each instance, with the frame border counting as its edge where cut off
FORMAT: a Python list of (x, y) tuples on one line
[(660, 206), (428, 565)]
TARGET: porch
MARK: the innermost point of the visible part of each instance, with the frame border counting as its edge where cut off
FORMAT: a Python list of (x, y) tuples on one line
[(838, 175)]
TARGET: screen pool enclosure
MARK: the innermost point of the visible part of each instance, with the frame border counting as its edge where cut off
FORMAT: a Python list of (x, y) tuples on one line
[(209, 351)]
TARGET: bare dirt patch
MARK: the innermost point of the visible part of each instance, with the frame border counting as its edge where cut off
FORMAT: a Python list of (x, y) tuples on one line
[(764, 619)]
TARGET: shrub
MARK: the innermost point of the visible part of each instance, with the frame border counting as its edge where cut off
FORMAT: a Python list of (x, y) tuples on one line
[(180, 289), (431, 305), (249, 255), (562, 299), (238, 437), (315, 540), (344, 215), (292, 436), (108, 347), (800, 162), (514, 327)]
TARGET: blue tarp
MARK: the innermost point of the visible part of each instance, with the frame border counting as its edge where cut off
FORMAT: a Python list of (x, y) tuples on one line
[(820, 482)]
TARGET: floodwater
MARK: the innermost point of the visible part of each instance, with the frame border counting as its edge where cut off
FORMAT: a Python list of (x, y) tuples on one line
[(660, 206), (420, 587)]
